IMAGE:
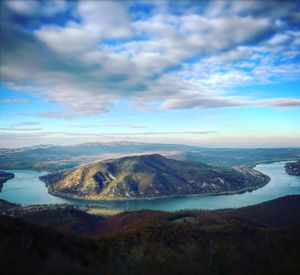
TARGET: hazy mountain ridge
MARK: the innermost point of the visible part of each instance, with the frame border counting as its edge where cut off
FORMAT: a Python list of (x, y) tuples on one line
[(57, 157), (247, 157), (150, 176)]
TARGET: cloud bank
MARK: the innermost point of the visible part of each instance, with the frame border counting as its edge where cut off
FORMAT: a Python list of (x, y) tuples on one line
[(88, 55)]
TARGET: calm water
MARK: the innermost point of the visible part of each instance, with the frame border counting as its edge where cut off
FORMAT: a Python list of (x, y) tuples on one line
[(26, 188)]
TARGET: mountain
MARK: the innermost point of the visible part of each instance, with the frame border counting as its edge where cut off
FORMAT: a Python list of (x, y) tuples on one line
[(4, 176), (57, 157), (92, 148), (293, 168), (152, 242), (150, 176)]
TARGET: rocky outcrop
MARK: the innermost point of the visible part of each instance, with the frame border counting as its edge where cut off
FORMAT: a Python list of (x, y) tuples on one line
[(150, 176)]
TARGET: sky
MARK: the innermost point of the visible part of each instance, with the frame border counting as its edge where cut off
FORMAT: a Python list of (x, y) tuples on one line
[(208, 73)]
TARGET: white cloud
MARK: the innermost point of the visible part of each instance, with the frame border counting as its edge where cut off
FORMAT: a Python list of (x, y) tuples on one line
[(35, 7), (23, 7), (194, 100), (280, 102), (25, 123), (100, 19), (16, 129), (190, 60), (186, 101), (71, 40), (13, 100)]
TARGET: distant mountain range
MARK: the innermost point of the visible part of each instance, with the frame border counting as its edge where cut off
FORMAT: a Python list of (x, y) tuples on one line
[(55, 157), (149, 176), (93, 148)]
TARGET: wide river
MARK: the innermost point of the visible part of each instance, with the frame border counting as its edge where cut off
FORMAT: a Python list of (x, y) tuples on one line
[(26, 188)]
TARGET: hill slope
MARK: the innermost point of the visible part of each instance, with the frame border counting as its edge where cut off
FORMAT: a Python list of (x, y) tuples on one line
[(149, 176), (4, 176), (281, 212), (293, 168)]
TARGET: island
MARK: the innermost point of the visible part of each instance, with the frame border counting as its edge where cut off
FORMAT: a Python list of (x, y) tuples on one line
[(150, 176), (5, 176), (293, 168)]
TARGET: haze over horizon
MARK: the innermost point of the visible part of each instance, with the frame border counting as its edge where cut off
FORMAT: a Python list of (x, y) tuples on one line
[(206, 73)]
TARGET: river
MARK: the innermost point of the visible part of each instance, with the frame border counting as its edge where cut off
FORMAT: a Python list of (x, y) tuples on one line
[(26, 189)]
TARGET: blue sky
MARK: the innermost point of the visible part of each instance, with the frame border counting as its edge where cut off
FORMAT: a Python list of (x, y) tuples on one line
[(207, 73)]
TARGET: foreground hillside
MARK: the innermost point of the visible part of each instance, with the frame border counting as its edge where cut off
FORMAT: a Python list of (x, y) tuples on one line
[(153, 242), (149, 176), (282, 212)]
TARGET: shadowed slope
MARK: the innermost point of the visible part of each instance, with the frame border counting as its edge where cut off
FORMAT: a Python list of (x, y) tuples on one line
[(281, 212)]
